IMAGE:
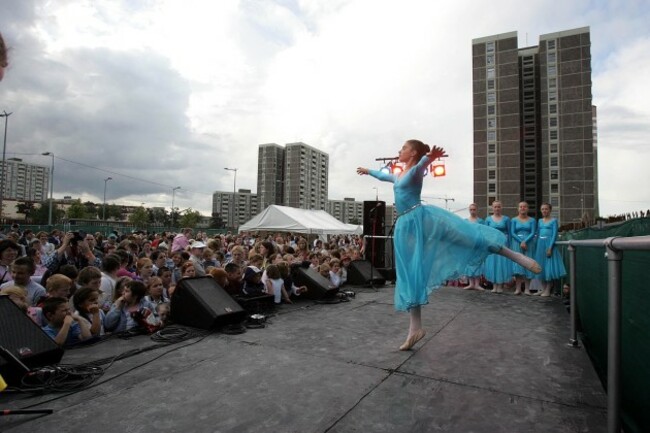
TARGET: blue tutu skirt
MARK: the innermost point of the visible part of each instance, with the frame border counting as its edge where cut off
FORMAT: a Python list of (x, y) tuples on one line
[(497, 269), (517, 269), (473, 271), (552, 267), (432, 246)]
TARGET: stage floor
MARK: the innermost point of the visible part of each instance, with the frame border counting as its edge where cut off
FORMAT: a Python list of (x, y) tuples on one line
[(489, 363)]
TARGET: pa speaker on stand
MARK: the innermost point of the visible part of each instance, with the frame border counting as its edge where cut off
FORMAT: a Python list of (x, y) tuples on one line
[(374, 221)]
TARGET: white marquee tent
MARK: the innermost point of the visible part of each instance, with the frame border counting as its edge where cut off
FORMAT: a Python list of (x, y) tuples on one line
[(291, 219)]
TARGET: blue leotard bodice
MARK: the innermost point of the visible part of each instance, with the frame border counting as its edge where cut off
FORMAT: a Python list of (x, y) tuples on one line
[(408, 187), (523, 231)]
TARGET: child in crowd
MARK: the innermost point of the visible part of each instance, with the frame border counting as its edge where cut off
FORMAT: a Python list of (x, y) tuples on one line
[(22, 270), (275, 285), (64, 328), (208, 259), (144, 270), (128, 308), (162, 311), (165, 275), (285, 273), (90, 276), (156, 291), (324, 270), (188, 270), (315, 261), (58, 286), (253, 285), (86, 305), (256, 260), (336, 273)]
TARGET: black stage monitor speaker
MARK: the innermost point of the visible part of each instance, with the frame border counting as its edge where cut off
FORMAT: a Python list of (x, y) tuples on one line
[(200, 302), (362, 273), (22, 343), (318, 287)]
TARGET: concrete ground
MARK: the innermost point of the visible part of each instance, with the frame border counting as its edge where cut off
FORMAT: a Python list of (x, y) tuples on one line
[(489, 363)]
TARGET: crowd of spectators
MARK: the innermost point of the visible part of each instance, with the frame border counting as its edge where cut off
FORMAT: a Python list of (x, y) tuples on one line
[(81, 286)]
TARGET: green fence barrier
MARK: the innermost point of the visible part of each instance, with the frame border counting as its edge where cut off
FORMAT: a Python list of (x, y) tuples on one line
[(591, 273)]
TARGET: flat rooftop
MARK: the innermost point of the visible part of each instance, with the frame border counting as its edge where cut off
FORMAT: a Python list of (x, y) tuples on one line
[(489, 363)]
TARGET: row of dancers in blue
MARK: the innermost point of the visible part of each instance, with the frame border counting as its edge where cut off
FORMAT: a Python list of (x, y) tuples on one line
[(431, 244), (535, 239)]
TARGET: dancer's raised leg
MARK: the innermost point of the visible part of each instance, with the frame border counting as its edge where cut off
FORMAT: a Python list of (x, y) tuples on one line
[(521, 259)]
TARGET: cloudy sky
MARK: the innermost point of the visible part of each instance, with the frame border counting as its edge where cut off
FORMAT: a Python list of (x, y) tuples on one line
[(165, 93)]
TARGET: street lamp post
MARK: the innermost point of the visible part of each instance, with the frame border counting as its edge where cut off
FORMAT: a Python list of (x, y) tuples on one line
[(173, 196), (234, 194), (104, 206), (49, 214), (4, 162)]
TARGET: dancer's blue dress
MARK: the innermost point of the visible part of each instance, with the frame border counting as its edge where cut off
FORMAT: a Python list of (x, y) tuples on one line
[(552, 267), (432, 245), (498, 269), (522, 231), (473, 271)]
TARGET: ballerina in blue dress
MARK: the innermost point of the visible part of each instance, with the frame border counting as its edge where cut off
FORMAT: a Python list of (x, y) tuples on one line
[(474, 273), (545, 251), (498, 269), (432, 245), (522, 234)]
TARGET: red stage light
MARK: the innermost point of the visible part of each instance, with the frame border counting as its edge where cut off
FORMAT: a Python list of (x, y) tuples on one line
[(438, 169)]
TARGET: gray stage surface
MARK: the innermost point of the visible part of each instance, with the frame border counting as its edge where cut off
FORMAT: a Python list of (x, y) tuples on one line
[(489, 363)]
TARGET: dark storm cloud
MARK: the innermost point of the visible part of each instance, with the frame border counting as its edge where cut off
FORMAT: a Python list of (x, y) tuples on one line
[(121, 111)]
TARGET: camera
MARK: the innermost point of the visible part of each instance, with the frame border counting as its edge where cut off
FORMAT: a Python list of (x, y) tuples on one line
[(76, 237)]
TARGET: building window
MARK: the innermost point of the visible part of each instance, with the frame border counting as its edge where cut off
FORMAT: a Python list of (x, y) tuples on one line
[(491, 97), (552, 96), (551, 58), (492, 122), (490, 73), (552, 108), (492, 148), (491, 110), (550, 45), (492, 174), (492, 188), (489, 47), (552, 121), (553, 161), (492, 135), (555, 188), (490, 84), (492, 160), (555, 200), (552, 147), (552, 83), (553, 134), (552, 70), (490, 59)]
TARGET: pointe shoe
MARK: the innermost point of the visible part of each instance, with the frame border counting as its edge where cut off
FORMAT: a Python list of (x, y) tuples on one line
[(545, 294), (410, 341)]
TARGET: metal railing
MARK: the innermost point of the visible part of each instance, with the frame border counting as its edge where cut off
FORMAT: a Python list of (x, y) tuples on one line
[(614, 248)]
